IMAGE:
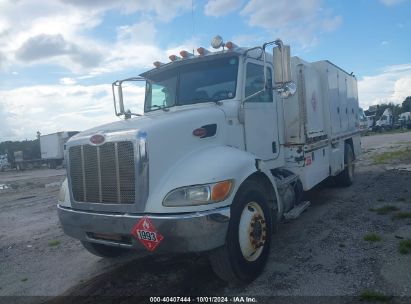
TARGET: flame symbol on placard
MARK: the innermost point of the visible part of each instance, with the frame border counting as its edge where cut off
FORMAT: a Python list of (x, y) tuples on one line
[(145, 224)]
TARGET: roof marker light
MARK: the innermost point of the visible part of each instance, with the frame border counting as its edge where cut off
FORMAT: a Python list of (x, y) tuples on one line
[(157, 64), (173, 57), (202, 51), (185, 54), (230, 45)]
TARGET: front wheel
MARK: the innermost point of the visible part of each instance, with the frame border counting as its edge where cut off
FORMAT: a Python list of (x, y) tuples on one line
[(248, 240)]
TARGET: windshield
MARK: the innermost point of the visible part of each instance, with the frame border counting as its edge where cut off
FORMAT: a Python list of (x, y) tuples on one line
[(208, 81)]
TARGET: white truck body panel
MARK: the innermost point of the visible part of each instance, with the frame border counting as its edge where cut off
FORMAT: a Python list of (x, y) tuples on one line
[(318, 117)]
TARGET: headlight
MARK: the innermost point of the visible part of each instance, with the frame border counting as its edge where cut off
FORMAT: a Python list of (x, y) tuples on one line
[(62, 194), (199, 194), (63, 199)]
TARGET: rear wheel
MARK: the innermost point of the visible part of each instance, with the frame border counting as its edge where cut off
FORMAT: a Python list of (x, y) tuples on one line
[(248, 240), (103, 251), (346, 177)]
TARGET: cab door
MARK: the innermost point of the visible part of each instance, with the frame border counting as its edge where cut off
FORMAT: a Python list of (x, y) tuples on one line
[(260, 113)]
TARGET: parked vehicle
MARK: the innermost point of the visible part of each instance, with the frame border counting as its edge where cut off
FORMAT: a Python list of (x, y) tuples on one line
[(4, 163), (370, 122), (405, 120), (386, 121), (52, 152), (363, 121), (228, 142)]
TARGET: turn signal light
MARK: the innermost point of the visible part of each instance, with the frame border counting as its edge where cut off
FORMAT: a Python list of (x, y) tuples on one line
[(202, 51), (220, 191), (230, 45), (185, 54), (200, 132), (173, 57), (157, 64)]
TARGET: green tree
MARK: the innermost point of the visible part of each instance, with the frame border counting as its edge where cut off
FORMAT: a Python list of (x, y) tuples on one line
[(406, 105)]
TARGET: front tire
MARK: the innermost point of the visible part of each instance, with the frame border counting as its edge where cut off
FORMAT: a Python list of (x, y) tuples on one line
[(248, 240), (103, 251), (346, 177)]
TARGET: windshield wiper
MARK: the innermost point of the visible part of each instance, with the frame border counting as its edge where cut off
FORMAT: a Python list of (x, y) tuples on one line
[(199, 100), (164, 108)]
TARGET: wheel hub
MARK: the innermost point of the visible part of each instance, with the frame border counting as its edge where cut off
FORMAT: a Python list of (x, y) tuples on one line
[(258, 231), (252, 231)]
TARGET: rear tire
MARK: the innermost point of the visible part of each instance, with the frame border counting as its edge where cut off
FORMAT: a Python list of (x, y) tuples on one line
[(103, 251), (248, 239), (346, 177)]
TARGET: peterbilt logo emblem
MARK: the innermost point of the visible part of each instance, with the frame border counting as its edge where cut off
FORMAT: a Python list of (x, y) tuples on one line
[(97, 139)]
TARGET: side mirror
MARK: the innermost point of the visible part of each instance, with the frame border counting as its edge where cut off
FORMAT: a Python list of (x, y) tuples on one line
[(282, 70), (117, 88), (282, 64)]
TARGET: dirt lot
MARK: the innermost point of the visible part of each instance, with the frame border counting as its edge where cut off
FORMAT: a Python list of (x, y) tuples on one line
[(342, 245)]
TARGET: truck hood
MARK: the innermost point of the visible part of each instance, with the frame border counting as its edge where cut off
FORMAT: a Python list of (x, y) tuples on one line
[(170, 141), (156, 120)]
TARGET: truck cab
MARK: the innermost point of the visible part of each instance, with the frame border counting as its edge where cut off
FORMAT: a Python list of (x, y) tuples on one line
[(210, 166)]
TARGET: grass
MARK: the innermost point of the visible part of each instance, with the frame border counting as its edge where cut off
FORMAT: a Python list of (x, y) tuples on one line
[(380, 200), (374, 296), (389, 156), (401, 199), (404, 246), (385, 209), (402, 215), (53, 243), (342, 245), (372, 237), (24, 279)]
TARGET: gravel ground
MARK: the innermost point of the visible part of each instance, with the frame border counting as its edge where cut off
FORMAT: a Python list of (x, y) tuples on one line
[(322, 253)]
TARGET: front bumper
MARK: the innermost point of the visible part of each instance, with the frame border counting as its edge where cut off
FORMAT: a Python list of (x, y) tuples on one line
[(188, 232)]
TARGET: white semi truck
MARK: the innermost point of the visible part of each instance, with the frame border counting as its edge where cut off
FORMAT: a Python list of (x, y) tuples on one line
[(386, 121), (228, 142)]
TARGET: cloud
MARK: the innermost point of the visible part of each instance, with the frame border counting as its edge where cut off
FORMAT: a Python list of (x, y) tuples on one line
[(52, 108), (67, 81), (5, 131), (301, 21), (43, 46), (163, 10), (218, 8), (48, 46), (61, 30), (392, 84), (391, 2), (331, 24), (2, 60)]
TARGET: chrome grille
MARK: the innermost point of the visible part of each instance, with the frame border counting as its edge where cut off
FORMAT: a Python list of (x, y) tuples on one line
[(103, 174)]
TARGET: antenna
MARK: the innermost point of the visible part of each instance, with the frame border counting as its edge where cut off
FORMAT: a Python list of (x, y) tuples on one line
[(192, 21)]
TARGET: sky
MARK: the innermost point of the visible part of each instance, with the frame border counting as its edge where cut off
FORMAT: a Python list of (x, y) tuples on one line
[(58, 58)]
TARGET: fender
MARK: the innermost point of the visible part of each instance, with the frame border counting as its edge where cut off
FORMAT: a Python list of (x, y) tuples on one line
[(209, 165)]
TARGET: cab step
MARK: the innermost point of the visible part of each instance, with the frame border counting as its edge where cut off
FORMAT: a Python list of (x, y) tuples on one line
[(297, 210)]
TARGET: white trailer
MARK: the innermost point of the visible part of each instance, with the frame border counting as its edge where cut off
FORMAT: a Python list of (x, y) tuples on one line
[(228, 142), (52, 147)]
